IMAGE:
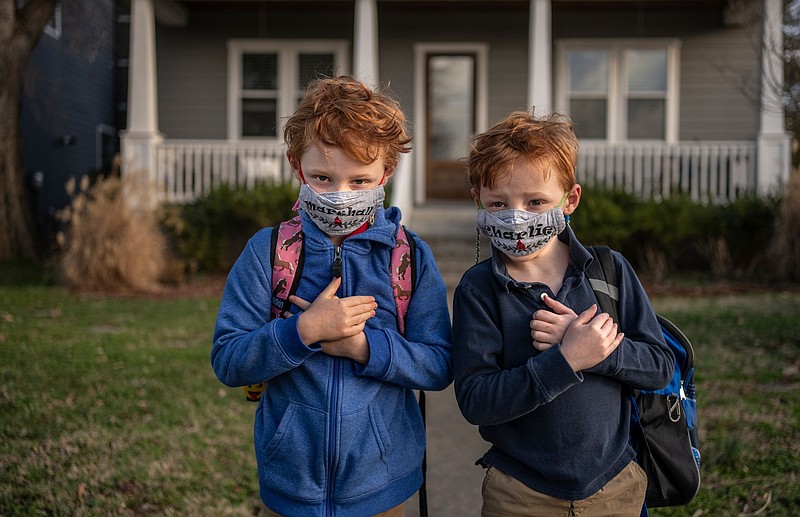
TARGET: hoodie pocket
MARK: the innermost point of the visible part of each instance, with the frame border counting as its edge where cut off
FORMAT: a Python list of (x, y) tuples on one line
[(292, 462), (363, 460)]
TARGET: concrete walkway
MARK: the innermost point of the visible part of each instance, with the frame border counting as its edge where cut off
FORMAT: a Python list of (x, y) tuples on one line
[(454, 481)]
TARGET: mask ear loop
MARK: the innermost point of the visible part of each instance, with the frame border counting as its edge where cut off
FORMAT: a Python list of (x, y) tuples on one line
[(566, 216), (478, 237), (303, 179), (477, 244)]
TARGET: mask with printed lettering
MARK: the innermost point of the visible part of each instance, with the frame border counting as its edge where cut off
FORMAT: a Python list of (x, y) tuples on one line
[(341, 212), (518, 233)]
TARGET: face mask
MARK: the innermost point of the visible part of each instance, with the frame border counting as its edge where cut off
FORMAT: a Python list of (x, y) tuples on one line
[(342, 212), (518, 233)]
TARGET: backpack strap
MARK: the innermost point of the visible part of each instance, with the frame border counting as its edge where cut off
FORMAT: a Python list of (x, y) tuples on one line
[(403, 273), (402, 270), (603, 276), (286, 250)]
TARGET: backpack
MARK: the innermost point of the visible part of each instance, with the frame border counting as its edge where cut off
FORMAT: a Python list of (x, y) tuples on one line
[(286, 250), (663, 422)]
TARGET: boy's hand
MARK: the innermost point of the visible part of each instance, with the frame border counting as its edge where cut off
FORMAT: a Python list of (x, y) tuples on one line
[(590, 339), (548, 328), (354, 347), (330, 318)]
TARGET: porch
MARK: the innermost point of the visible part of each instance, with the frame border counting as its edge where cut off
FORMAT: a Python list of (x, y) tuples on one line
[(705, 141)]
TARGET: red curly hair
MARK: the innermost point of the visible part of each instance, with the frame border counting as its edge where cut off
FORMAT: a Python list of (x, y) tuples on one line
[(345, 113), (548, 141)]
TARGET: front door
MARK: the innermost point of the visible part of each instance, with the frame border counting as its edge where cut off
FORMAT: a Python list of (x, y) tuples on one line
[(450, 123)]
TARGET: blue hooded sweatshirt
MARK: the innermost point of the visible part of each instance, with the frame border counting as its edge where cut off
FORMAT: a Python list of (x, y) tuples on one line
[(562, 433), (333, 437)]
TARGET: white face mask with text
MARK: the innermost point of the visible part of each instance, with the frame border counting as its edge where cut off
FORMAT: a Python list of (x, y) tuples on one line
[(341, 212), (518, 233)]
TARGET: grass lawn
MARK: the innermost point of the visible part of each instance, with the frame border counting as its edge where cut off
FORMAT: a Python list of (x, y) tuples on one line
[(109, 406)]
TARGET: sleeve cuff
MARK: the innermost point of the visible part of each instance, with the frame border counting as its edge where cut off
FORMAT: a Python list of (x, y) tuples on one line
[(380, 355), (553, 372), (291, 345)]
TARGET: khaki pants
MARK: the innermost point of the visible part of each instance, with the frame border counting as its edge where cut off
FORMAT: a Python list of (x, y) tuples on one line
[(397, 511), (505, 496)]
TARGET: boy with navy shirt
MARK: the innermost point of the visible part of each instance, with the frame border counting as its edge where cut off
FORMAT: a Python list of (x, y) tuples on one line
[(546, 378)]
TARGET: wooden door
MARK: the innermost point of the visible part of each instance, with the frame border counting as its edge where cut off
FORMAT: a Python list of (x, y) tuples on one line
[(450, 123)]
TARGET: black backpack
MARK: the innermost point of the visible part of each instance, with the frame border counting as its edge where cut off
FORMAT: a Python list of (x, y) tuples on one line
[(663, 422)]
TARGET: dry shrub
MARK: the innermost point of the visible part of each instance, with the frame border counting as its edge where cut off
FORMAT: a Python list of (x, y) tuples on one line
[(113, 241), (784, 249), (716, 251), (654, 263)]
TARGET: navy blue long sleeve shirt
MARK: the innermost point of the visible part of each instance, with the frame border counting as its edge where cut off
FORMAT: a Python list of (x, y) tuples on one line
[(562, 433)]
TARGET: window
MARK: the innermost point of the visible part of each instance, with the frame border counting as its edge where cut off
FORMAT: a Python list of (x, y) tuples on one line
[(268, 78), (620, 91)]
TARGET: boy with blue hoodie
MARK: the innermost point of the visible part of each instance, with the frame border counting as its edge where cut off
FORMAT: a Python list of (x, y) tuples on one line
[(338, 431), (545, 377)]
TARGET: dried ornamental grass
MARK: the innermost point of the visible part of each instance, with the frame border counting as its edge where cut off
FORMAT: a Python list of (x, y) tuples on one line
[(784, 249), (113, 240)]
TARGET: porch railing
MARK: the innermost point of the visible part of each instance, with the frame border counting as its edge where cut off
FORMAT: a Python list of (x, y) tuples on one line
[(188, 169), (713, 172)]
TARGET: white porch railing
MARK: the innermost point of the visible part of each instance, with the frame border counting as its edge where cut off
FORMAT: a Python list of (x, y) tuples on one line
[(713, 172), (706, 171), (188, 169)]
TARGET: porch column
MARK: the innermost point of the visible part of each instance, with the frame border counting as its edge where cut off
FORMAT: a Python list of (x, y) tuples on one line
[(540, 69), (774, 153), (365, 42), (139, 139)]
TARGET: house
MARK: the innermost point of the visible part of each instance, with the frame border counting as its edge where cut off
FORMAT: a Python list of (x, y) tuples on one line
[(667, 95), (68, 117)]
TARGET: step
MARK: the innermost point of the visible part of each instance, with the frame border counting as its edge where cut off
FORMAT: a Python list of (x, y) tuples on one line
[(449, 229)]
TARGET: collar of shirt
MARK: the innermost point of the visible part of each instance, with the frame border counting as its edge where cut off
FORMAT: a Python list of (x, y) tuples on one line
[(579, 258)]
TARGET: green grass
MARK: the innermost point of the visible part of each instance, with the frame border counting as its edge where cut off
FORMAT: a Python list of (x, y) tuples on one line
[(748, 389), (108, 405)]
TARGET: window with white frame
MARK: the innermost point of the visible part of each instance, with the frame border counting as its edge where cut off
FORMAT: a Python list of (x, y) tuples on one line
[(267, 79), (620, 90)]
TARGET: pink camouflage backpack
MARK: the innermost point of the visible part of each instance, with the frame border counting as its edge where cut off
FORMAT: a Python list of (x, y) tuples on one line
[(287, 266)]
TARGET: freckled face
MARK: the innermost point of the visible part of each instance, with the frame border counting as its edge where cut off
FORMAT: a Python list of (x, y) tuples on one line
[(523, 188), (330, 169)]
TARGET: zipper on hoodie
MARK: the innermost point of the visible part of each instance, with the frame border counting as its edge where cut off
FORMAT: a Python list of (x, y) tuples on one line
[(332, 452), (334, 401), (337, 261)]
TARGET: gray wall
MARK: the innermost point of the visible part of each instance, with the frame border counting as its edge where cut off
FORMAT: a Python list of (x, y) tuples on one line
[(713, 59), (192, 61), (716, 71), (503, 26)]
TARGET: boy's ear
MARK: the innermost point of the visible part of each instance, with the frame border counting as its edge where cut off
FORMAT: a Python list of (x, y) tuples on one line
[(295, 163), (573, 199), (388, 173), (476, 195)]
